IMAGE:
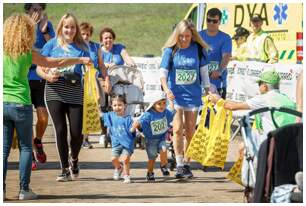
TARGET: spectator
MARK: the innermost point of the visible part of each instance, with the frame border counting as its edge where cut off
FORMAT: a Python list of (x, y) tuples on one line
[(240, 37), (96, 56), (269, 96), (220, 50), (260, 45), (182, 67), (44, 32), (18, 41), (64, 96), (113, 54)]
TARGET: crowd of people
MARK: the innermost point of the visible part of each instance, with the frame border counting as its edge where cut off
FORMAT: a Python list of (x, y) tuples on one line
[(44, 67)]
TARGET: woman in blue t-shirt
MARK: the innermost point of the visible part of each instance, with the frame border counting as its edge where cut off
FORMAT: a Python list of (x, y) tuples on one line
[(64, 96), (113, 54), (96, 56), (183, 72)]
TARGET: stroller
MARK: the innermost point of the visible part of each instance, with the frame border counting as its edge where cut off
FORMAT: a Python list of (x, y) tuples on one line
[(129, 82), (266, 164)]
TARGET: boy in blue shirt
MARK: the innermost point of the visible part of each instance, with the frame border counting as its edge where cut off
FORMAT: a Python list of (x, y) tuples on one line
[(154, 124), (122, 138)]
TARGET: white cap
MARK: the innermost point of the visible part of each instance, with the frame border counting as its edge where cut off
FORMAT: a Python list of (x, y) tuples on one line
[(157, 97)]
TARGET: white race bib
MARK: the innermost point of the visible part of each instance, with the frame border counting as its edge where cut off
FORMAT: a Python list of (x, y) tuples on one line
[(213, 66), (159, 126), (184, 77)]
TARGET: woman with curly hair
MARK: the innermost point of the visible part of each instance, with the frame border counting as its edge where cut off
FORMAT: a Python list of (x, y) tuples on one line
[(18, 40)]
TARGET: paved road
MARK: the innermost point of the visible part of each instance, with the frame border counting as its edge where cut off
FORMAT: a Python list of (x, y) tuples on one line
[(96, 185)]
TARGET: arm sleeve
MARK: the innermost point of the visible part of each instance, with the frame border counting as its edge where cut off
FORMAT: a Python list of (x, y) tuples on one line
[(204, 76), (120, 47), (163, 73), (257, 101)]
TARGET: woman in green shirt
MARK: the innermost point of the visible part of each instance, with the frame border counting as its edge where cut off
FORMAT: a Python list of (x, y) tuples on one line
[(18, 40)]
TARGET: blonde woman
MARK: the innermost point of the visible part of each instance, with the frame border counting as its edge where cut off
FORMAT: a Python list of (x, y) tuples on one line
[(18, 40), (64, 96), (183, 72)]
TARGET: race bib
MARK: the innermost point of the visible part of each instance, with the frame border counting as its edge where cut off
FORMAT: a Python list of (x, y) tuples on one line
[(66, 70), (212, 66), (184, 77), (159, 126)]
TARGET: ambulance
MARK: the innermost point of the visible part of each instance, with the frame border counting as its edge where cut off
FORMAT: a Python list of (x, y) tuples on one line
[(283, 22)]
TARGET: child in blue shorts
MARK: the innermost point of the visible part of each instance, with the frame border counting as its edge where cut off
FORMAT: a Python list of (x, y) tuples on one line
[(154, 124), (122, 138)]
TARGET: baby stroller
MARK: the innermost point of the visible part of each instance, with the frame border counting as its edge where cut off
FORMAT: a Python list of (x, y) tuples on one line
[(128, 81), (264, 166)]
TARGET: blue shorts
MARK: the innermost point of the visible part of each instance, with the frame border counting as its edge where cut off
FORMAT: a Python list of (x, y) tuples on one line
[(153, 146), (120, 150)]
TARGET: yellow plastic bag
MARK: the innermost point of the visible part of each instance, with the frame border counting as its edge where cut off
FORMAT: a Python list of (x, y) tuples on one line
[(219, 137), (197, 147), (235, 172), (91, 109)]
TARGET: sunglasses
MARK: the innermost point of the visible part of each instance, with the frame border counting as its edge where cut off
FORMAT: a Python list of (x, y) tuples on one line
[(214, 21)]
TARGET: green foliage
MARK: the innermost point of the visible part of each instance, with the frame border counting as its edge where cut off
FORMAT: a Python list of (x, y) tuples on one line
[(142, 28)]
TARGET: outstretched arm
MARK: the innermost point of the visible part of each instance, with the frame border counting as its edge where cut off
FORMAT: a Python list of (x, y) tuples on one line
[(57, 62)]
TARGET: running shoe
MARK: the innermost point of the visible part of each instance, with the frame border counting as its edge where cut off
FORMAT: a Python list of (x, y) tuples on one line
[(27, 195), (150, 177), (117, 173), (64, 176), (40, 155), (87, 145), (74, 170), (165, 171), (179, 172), (187, 172), (127, 179)]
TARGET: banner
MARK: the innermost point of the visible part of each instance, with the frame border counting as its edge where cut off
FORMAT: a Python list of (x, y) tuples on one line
[(241, 79), (150, 73), (242, 76)]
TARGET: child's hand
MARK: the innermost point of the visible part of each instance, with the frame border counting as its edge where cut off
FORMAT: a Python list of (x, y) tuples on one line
[(136, 125)]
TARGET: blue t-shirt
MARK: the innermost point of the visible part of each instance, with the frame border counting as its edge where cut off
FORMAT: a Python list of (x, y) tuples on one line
[(155, 125), (94, 51), (39, 43), (53, 49), (114, 55), (119, 127), (184, 75), (219, 44)]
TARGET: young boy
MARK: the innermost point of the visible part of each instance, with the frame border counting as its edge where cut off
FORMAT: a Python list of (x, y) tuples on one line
[(154, 123)]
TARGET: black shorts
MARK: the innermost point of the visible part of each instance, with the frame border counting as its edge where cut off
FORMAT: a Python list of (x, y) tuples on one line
[(37, 92)]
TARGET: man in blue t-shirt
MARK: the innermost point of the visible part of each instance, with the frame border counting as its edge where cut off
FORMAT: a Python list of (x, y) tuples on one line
[(220, 50), (44, 32)]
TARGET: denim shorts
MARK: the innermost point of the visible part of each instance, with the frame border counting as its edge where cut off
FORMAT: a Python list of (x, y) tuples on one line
[(120, 150), (153, 146)]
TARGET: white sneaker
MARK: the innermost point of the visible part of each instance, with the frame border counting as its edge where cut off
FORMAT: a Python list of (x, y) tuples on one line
[(27, 195), (117, 173), (102, 139), (127, 179)]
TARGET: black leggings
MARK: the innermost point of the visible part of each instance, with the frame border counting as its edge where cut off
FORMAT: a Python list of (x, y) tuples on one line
[(58, 112)]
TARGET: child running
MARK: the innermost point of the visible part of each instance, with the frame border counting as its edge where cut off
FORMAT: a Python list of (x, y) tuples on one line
[(122, 139), (154, 123)]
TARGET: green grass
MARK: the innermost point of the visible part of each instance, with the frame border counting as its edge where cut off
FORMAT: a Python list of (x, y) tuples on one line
[(143, 28)]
